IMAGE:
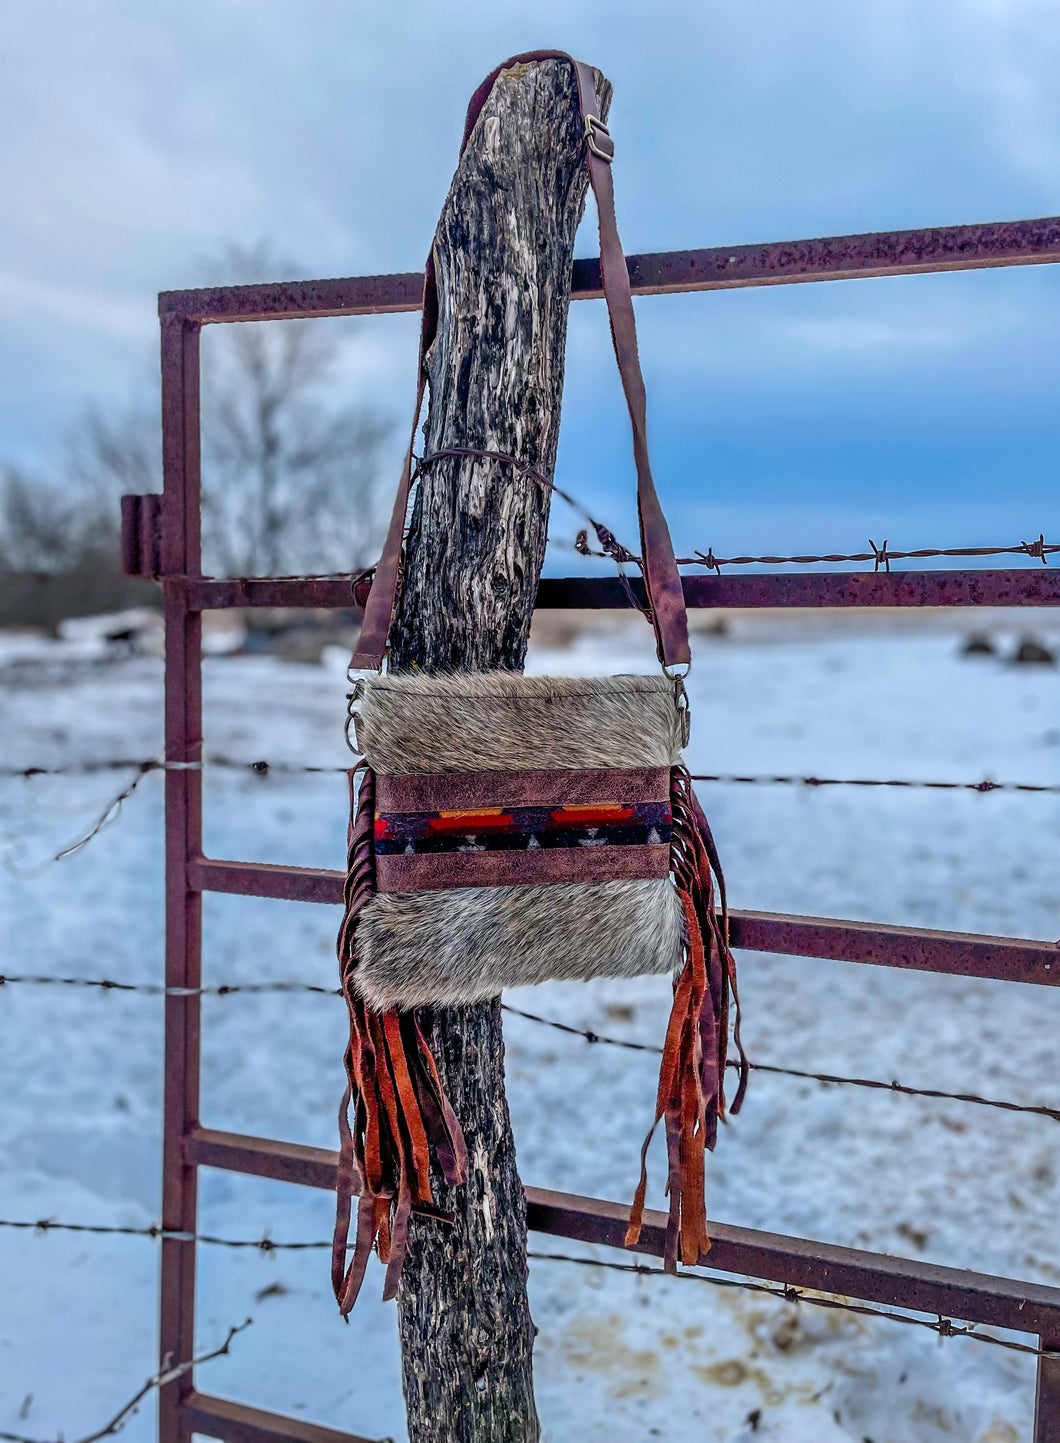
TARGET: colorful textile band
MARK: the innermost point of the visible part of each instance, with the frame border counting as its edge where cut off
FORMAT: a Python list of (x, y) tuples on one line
[(490, 829)]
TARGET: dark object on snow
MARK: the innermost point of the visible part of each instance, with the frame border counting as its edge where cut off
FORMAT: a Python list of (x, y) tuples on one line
[(1033, 652), (978, 645)]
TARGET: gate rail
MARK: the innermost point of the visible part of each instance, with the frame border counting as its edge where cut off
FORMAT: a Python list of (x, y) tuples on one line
[(165, 541)]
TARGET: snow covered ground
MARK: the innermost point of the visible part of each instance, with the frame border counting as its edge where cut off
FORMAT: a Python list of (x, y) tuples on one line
[(617, 1356)]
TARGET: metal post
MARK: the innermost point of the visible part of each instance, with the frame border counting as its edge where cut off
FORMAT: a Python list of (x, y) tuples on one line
[(1047, 1393), (183, 730), (872, 1277)]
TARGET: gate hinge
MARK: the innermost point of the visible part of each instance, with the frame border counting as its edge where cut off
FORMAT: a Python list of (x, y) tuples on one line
[(141, 535)]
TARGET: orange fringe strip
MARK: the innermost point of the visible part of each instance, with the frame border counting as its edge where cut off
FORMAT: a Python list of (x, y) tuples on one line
[(400, 1109), (691, 1095)]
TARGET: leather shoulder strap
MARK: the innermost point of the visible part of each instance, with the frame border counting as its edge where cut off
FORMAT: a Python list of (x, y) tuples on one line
[(661, 577)]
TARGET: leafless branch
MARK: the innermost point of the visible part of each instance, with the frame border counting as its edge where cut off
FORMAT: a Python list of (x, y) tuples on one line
[(169, 1373)]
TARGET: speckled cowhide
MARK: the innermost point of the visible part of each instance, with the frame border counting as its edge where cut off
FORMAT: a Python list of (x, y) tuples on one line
[(456, 943)]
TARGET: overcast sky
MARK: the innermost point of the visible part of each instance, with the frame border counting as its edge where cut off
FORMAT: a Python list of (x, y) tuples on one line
[(139, 137)]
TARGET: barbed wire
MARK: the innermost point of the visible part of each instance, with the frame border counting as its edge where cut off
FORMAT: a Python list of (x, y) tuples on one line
[(945, 1327), (825, 1078), (611, 549), (262, 768), (156, 989), (112, 810), (56, 578), (983, 787), (267, 1245), (881, 556), (110, 813), (159, 764), (586, 1033), (168, 1373)]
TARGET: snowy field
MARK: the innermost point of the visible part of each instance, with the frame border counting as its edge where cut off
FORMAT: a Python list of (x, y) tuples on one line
[(617, 1357)]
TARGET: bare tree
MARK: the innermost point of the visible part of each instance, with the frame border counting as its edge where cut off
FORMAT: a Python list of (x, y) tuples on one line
[(291, 467), (65, 519), (290, 478), (39, 532)]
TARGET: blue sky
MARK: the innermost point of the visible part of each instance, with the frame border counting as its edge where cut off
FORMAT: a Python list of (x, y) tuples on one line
[(139, 138)]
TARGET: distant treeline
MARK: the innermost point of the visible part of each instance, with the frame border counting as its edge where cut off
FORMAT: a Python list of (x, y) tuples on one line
[(291, 470), (42, 600)]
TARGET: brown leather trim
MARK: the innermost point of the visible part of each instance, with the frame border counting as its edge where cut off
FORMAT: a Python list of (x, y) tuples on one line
[(661, 577), (436, 871), (457, 791)]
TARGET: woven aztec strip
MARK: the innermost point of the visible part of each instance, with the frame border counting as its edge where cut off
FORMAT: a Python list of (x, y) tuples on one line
[(500, 829)]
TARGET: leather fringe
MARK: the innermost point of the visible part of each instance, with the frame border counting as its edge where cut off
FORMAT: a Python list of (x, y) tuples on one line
[(399, 1106), (691, 1096)]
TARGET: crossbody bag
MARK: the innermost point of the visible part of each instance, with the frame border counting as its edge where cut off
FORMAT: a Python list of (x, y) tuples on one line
[(508, 830)]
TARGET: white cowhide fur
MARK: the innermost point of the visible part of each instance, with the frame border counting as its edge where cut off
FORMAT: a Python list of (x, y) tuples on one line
[(469, 943)]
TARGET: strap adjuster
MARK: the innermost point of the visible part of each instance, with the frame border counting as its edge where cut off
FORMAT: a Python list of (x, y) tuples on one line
[(598, 138)]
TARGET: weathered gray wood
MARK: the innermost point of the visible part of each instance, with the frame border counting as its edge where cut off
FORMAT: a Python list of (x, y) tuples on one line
[(477, 534)]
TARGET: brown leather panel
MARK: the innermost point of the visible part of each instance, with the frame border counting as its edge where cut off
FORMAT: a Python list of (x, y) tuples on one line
[(435, 871), (460, 791)]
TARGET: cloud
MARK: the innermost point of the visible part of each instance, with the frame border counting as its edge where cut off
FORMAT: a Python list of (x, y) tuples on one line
[(139, 137)]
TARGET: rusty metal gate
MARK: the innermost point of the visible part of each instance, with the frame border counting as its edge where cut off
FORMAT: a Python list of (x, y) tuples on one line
[(161, 538)]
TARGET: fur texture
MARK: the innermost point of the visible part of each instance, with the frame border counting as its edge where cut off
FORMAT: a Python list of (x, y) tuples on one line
[(421, 949), (469, 943), (502, 721)]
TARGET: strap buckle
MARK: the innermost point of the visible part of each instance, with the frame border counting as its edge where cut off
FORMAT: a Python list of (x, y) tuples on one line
[(597, 135)]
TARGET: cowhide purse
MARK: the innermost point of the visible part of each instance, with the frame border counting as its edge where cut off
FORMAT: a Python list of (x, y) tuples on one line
[(510, 830)]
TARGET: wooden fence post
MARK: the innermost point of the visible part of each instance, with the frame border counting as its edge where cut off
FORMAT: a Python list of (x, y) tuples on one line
[(503, 257)]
